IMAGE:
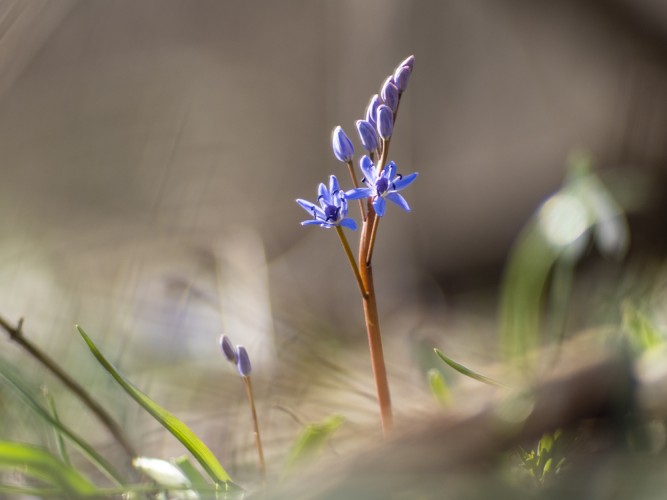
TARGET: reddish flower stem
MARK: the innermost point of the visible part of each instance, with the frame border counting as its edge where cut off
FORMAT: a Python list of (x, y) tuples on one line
[(373, 325)]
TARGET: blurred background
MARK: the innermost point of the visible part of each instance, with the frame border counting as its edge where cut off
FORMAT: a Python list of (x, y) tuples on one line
[(152, 152)]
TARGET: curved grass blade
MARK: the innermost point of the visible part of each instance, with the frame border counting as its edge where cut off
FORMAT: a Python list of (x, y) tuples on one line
[(176, 427), (60, 442), (467, 371), (102, 464), (39, 464)]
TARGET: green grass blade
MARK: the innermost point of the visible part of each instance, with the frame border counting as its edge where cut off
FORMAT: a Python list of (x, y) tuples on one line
[(176, 427), (198, 481), (439, 387), (312, 440), (639, 329), (524, 283), (60, 442), (467, 371), (21, 389), (39, 464)]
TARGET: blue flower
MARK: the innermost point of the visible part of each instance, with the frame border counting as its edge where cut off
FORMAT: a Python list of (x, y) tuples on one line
[(401, 77), (368, 135), (384, 119), (342, 145), (389, 93), (333, 207), (384, 184), (243, 363), (228, 349), (372, 109)]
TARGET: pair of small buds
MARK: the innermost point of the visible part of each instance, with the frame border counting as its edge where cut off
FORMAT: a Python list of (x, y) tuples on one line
[(236, 355), (380, 112)]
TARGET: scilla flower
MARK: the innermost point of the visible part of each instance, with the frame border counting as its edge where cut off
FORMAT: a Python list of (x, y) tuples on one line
[(342, 145), (333, 209), (381, 185)]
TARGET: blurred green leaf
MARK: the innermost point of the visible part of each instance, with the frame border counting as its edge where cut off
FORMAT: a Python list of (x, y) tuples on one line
[(524, 282), (467, 371), (540, 462), (439, 387), (640, 330), (26, 394), (175, 426), (198, 481), (312, 439), (545, 444), (559, 231), (39, 464)]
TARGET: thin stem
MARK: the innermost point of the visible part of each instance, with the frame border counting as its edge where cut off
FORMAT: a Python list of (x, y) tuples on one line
[(371, 244), (355, 183), (255, 422), (385, 153), (353, 263), (373, 327), (16, 335)]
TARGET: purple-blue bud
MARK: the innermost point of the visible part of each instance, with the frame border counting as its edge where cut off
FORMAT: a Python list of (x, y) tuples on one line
[(385, 121), (401, 77), (228, 349), (372, 109), (368, 135), (243, 364), (389, 93), (342, 145), (409, 62)]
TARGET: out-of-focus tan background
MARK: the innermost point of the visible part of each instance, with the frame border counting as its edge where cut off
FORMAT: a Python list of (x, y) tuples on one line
[(151, 153)]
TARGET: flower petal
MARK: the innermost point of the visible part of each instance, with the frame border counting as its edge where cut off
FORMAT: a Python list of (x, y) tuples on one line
[(405, 181), (379, 205), (311, 208), (323, 194), (359, 193), (368, 169), (399, 200), (348, 223), (312, 222), (334, 187), (389, 171)]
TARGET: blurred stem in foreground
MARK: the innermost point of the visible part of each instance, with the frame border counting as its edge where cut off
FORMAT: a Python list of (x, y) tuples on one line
[(16, 334)]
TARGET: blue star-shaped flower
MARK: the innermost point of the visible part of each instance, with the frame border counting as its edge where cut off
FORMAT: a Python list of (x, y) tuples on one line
[(384, 184), (333, 211)]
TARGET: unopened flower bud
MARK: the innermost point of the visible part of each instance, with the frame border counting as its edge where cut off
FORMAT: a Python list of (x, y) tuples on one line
[(409, 62), (401, 77), (372, 109), (228, 349), (368, 135), (389, 93), (243, 364), (342, 145), (385, 121)]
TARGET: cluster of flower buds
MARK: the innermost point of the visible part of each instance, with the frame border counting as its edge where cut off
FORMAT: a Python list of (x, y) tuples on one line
[(380, 115), (236, 355), (382, 181)]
